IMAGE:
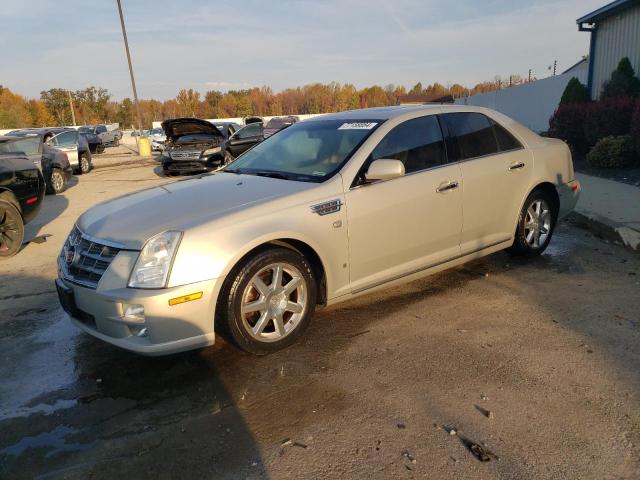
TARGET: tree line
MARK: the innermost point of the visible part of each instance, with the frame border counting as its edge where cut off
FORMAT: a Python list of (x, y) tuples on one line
[(95, 104)]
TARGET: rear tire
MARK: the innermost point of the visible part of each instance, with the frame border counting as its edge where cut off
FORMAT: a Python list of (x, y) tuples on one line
[(536, 224), (267, 304), (11, 229), (85, 164), (57, 183)]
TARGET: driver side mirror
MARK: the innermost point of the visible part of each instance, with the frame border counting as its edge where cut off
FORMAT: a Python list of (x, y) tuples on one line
[(384, 169)]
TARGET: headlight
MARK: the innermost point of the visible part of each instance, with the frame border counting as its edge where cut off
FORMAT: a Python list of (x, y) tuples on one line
[(154, 263), (210, 151)]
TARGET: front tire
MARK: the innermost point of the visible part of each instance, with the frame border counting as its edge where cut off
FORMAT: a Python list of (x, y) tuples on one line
[(268, 303), (536, 224), (11, 229), (57, 183)]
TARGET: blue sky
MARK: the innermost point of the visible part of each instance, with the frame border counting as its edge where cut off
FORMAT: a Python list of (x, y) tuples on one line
[(229, 44)]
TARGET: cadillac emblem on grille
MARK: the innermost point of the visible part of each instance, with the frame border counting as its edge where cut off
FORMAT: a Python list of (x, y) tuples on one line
[(70, 256)]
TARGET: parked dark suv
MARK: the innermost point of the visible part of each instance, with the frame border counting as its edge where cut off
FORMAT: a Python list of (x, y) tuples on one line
[(192, 146), (21, 192), (53, 163)]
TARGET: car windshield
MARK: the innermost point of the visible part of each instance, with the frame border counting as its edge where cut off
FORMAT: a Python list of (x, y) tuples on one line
[(85, 130), (310, 151), (196, 138), (156, 131)]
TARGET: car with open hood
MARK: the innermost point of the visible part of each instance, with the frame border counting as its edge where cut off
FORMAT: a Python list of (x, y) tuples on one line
[(192, 146), (326, 210)]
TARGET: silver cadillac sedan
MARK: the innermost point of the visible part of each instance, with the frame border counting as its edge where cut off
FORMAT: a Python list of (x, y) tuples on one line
[(326, 210)]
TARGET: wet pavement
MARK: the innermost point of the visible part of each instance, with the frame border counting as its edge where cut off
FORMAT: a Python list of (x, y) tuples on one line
[(549, 346)]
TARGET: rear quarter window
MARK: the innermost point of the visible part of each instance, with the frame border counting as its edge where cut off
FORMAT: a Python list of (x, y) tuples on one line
[(473, 133)]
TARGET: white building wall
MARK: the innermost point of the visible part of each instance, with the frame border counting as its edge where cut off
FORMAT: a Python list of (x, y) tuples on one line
[(616, 37), (531, 104)]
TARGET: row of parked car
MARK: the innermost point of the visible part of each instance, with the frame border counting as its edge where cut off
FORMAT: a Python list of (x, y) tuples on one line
[(35, 161), (192, 145)]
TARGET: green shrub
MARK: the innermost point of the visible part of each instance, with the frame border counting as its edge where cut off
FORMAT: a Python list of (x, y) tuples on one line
[(614, 152), (575, 92), (623, 82)]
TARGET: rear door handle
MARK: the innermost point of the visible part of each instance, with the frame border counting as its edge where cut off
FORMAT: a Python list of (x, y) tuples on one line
[(516, 166), (447, 186)]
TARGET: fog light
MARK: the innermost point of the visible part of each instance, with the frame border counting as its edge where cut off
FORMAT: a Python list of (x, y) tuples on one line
[(133, 313)]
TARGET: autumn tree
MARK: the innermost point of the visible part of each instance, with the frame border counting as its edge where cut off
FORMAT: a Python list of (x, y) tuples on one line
[(57, 102), (188, 101), (92, 103)]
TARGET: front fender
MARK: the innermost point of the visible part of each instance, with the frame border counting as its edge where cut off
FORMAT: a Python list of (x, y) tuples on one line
[(210, 252)]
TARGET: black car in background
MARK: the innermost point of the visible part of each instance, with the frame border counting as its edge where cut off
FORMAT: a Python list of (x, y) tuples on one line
[(96, 145), (53, 163), (22, 189), (227, 128), (241, 141), (192, 146)]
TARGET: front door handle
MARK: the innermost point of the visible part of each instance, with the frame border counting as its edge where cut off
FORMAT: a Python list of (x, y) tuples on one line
[(516, 166), (447, 186)]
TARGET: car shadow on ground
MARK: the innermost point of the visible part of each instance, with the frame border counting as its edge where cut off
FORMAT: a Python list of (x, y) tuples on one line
[(74, 406), (52, 207)]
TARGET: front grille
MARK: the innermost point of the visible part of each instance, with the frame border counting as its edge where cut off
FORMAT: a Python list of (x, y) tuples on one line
[(185, 155), (84, 260)]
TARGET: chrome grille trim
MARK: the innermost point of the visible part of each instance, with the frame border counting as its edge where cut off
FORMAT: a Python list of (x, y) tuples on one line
[(185, 155), (91, 259)]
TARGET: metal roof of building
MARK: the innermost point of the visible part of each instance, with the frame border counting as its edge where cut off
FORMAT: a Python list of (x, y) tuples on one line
[(607, 10)]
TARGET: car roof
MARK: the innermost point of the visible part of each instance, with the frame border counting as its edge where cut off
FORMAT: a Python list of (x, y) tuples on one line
[(376, 113)]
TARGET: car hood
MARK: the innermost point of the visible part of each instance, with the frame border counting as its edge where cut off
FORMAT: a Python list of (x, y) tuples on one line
[(132, 219), (177, 127)]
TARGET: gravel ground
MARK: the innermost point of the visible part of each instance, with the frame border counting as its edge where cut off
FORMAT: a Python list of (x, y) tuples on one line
[(536, 361)]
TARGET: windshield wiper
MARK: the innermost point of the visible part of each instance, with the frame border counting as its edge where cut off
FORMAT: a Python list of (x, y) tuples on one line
[(232, 170), (270, 174)]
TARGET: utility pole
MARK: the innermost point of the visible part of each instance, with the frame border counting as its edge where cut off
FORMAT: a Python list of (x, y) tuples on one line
[(133, 82), (73, 113), (555, 64), (529, 74)]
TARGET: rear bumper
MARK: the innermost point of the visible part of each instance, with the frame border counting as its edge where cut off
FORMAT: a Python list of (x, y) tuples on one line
[(569, 193), (162, 330)]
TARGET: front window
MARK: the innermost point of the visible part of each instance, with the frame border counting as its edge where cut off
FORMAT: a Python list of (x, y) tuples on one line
[(65, 139), (310, 151), (250, 131)]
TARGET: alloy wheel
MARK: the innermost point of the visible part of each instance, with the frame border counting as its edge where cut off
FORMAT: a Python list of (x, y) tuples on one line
[(57, 182), (537, 224), (84, 165), (10, 231), (274, 302)]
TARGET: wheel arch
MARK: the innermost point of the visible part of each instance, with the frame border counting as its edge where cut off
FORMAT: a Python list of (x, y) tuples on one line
[(545, 186), (10, 197), (299, 246)]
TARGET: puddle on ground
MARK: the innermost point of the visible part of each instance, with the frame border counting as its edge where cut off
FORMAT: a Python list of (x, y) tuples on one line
[(41, 363), (44, 408), (54, 442)]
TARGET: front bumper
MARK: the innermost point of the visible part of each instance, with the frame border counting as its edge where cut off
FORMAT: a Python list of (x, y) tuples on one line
[(569, 193), (191, 166), (164, 330)]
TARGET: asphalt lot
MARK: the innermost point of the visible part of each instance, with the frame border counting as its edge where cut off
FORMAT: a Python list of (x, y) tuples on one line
[(550, 346)]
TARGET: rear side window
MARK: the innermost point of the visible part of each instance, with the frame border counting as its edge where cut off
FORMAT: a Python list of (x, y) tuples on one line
[(418, 143), (473, 132), (101, 129), (506, 141)]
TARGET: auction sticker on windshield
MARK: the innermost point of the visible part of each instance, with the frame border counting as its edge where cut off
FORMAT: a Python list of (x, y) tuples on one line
[(357, 126)]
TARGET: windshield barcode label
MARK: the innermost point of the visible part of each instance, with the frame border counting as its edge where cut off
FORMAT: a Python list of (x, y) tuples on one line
[(357, 126)]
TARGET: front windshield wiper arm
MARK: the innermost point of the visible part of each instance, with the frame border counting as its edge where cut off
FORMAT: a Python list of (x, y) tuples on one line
[(270, 174), (232, 170)]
